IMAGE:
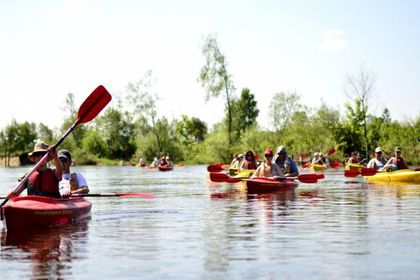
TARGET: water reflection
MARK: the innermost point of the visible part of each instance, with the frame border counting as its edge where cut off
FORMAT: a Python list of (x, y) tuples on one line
[(48, 252)]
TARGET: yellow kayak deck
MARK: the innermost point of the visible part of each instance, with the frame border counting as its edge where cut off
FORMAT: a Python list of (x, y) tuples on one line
[(405, 175)]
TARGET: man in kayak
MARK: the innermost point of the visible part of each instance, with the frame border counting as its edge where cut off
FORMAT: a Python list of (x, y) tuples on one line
[(77, 181), (396, 162), (378, 162), (288, 166), (268, 168), (44, 180)]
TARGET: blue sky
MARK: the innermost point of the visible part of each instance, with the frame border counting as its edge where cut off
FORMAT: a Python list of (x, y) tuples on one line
[(51, 48)]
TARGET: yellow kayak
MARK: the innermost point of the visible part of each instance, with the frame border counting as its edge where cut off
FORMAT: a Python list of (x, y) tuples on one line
[(245, 174), (317, 167), (354, 166), (405, 175)]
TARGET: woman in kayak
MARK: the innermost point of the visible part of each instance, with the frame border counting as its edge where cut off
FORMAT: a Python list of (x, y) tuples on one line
[(44, 180), (237, 161), (354, 158), (378, 162), (396, 162), (77, 181), (249, 162), (287, 165), (268, 168)]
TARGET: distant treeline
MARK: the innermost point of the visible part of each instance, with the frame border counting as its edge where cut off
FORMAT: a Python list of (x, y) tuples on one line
[(131, 127)]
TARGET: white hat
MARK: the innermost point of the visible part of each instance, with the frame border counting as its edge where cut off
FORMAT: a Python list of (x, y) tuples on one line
[(378, 149)]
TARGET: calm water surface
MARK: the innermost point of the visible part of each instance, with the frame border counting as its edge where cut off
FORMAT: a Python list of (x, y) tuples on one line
[(339, 228)]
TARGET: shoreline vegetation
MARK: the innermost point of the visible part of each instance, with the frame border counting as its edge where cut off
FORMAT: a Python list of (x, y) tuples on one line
[(133, 127)]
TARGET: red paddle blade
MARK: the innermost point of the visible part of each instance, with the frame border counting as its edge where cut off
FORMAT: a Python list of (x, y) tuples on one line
[(351, 173), (335, 164), (218, 177), (368, 171), (94, 104), (214, 167), (308, 178), (331, 151)]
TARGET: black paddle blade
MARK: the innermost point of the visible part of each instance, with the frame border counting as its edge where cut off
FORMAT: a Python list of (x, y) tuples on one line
[(94, 104)]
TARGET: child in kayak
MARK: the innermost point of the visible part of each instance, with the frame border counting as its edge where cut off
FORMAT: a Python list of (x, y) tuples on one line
[(378, 162), (44, 180), (77, 181), (396, 162), (268, 168)]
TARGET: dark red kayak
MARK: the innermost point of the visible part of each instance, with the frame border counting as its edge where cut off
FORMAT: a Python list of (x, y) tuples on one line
[(165, 167), (34, 212), (264, 185)]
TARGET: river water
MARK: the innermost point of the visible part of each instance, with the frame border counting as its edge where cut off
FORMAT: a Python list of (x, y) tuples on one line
[(339, 228)]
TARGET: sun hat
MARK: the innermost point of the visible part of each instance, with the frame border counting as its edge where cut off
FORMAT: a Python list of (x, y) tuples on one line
[(378, 149), (64, 154), (268, 152), (316, 154), (281, 150), (40, 147), (397, 149)]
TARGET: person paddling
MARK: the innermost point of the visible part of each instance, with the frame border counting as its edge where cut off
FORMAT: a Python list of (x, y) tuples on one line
[(396, 162), (268, 168), (43, 181), (354, 158), (77, 181), (378, 162), (287, 165)]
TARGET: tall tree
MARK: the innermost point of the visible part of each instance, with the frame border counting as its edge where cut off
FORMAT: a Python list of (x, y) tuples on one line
[(143, 102), (282, 108), (215, 78), (359, 90), (245, 112)]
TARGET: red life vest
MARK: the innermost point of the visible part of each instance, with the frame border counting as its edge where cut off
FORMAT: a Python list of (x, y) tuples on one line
[(45, 182), (250, 164)]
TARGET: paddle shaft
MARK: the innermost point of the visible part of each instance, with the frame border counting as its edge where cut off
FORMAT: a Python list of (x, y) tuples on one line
[(142, 195)]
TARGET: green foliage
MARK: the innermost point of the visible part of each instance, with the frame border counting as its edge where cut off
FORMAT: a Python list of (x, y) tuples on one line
[(215, 78), (244, 113), (282, 108)]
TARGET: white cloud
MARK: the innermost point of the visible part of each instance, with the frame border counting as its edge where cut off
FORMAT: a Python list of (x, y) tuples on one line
[(334, 40)]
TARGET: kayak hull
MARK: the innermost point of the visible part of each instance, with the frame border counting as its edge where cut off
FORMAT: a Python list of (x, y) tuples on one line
[(165, 168), (317, 167), (35, 212), (266, 185), (354, 166), (403, 176)]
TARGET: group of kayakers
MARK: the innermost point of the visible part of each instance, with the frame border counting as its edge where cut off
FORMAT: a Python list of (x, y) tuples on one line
[(279, 165), (379, 163), (57, 182)]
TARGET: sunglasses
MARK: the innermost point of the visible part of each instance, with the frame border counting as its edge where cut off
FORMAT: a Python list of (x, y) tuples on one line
[(268, 155), (64, 160)]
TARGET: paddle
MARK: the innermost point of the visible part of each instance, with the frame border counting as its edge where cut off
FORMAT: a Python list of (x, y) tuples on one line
[(217, 167), (142, 195), (304, 178), (90, 108)]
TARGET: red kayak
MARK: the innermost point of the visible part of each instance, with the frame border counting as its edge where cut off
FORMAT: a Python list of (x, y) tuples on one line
[(33, 212), (264, 185), (165, 168)]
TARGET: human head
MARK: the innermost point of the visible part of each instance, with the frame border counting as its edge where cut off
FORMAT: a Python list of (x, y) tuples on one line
[(397, 150), (240, 156), (64, 156), (378, 151), (316, 155), (268, 154), (281, 150), (40, 149), (249, 154), (354, 154)]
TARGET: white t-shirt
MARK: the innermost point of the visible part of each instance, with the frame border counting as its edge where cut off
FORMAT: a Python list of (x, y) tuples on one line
[(81, 181)]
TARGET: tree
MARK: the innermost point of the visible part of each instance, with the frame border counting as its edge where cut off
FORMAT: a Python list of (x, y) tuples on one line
[(282, 108), (215, 78), (359, 90), (245, 112), (143, 103), (191, 130)]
